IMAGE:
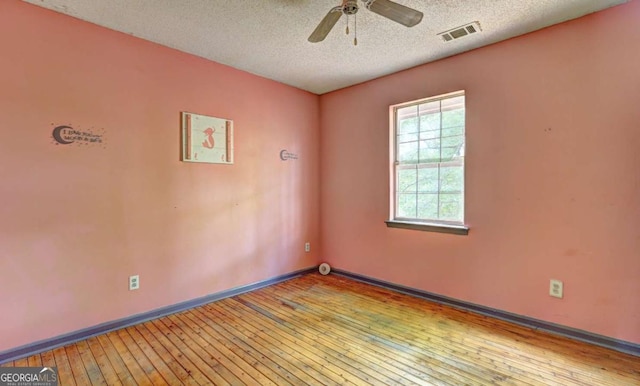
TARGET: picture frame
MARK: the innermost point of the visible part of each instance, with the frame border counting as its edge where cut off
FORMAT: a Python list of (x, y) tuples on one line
[(206, 139)]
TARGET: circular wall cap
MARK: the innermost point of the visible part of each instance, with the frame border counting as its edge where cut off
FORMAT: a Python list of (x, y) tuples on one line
[(324, 269)]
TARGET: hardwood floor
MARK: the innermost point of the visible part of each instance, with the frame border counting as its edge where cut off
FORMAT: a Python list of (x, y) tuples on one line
[(327, 330)]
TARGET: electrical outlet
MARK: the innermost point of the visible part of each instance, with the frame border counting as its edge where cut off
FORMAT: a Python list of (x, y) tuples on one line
[(134, 282), (307, 247), (556, 288)]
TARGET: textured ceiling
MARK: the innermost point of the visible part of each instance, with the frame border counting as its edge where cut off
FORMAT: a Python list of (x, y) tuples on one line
[(269, 37)]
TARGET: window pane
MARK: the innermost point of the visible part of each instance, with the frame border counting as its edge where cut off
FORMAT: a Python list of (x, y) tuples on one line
[(408, 125), (406, 205), (453, 118), (409, 137), (448, 131), (428, 180), (451, 207), (451, 179), (430, 134), (430, 126), (408, 152), (451, 147), (407, 181), (407, 120), (428, 206), (430, 150)]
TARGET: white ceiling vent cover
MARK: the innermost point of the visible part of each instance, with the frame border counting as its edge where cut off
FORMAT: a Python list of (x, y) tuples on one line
[(458, 32)]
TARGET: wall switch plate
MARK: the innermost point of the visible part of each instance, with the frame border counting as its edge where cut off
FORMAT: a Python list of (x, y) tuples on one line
[(134, 282), (307, 247), (556, 288)]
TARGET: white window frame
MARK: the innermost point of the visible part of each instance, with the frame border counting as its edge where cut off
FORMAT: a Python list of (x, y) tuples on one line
[(435, 225)]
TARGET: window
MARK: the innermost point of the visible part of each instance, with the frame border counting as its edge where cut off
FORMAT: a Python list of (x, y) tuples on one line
[(427, 175)]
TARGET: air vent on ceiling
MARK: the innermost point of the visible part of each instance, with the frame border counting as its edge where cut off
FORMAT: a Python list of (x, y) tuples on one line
[(461, 31)]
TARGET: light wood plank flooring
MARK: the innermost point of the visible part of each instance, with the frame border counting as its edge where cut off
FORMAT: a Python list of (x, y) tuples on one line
[(329, 330)]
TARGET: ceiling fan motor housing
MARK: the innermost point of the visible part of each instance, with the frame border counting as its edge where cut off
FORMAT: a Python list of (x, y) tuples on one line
[(350, 7)]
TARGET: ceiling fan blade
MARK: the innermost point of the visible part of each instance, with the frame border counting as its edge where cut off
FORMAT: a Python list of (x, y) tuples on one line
[(325, 26), (396, 12)]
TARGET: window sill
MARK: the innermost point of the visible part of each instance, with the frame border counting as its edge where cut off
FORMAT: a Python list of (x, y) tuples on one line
[(428, 227)]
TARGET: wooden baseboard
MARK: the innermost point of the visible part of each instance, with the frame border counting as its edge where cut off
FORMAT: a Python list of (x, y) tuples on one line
[(63, 340), (581, 335)]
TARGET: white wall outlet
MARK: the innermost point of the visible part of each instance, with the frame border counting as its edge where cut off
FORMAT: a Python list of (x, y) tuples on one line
[(307, 247), (556, 288), (134, 282)]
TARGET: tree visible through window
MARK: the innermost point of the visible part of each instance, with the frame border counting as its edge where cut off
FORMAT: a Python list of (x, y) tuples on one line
[(428, 180)]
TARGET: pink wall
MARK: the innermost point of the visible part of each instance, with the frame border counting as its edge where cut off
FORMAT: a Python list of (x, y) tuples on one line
[(553, 177), (75, 222)]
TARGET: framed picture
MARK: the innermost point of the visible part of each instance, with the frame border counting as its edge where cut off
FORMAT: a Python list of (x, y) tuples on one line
[(206, 139)]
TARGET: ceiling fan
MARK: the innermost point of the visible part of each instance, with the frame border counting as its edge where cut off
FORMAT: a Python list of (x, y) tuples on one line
[(386, 8)]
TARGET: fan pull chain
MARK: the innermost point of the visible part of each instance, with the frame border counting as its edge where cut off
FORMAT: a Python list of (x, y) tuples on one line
[(355, 30), (347, 30)]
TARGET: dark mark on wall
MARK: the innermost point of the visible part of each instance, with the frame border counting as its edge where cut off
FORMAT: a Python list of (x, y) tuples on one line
[(67, 135), (57, 135), (285, 155)]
